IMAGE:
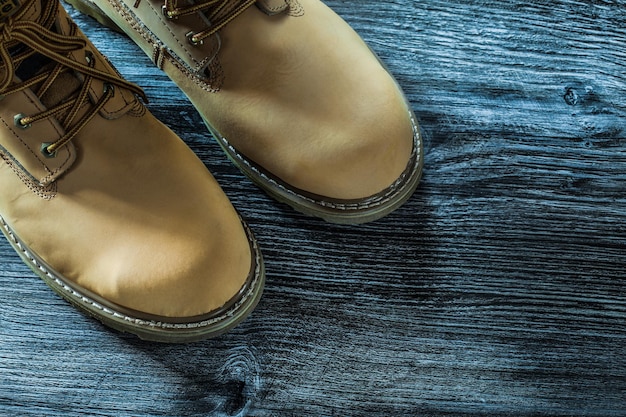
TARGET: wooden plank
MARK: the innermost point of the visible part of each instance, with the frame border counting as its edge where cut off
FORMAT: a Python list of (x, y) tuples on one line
[(497, 290)]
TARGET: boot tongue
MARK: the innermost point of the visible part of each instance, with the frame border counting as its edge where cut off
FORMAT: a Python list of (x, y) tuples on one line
[(63, 86), (31, 66), (66, 83)]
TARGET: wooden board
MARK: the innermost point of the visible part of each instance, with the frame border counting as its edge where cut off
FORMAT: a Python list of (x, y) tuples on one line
[(497, 290)]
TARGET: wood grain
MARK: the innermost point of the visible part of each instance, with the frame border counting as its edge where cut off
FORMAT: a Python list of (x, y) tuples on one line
[(497, 290)]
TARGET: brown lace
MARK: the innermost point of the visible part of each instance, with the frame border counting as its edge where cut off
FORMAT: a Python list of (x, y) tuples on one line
[(57, 47), (219, 12)]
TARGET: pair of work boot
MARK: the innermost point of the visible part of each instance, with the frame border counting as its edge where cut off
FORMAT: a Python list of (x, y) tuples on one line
[(116, 214)]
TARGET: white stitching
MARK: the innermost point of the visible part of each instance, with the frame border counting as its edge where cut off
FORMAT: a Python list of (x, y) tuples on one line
[(398, 185)]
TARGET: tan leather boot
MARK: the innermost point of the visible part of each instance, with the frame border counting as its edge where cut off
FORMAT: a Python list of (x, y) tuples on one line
[(292, 94), (105, 203)]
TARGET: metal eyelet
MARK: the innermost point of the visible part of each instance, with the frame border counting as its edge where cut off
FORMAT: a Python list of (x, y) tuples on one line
[(44, 150), (17, 119), (89, 57), (190, 36), (167, 14), (108, 87)]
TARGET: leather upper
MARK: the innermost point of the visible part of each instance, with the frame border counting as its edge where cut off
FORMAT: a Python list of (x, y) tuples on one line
[(125, 210), (298, 92)]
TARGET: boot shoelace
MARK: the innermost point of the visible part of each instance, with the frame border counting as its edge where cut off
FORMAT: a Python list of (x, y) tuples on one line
[(57, 48), (219, 12)]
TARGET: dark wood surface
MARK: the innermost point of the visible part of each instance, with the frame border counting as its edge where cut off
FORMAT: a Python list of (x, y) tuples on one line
[(497, 290)]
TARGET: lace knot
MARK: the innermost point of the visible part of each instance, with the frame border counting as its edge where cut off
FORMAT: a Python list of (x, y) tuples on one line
[(7, 31)]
